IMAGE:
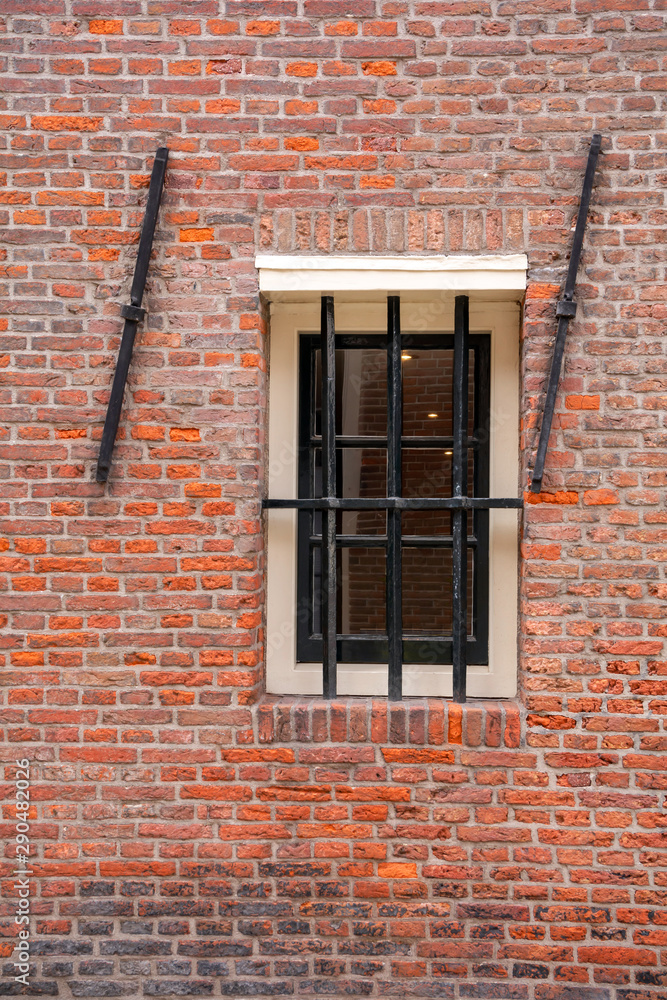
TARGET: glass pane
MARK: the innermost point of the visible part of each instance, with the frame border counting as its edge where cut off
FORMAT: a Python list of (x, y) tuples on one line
[(362, 600), (426, 472), (471, 393), (361, 522), (361, 392), (361, 590), (427, 392), (427, 591), (354, 522), (360, 472)]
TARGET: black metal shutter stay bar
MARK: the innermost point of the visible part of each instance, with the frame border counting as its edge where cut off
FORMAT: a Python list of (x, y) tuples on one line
[(132, 314), (565, 310)]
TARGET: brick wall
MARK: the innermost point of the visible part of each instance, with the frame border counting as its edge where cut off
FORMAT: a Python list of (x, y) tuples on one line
[(190, 836)]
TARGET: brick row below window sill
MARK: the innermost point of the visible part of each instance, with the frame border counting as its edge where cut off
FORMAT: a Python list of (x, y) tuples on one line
[(420, 722)]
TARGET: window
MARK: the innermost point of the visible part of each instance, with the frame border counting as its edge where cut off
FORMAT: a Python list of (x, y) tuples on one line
[(425, 458), (392, 564)]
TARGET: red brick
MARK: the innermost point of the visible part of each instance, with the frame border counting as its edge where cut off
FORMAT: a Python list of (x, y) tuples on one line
[(510, 839)]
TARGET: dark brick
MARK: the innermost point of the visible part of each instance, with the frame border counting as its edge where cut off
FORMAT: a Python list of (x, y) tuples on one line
[(98, 988), (177, 988)]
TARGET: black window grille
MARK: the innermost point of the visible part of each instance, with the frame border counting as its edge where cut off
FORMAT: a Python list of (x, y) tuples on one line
[(425, 464), (392, 523)]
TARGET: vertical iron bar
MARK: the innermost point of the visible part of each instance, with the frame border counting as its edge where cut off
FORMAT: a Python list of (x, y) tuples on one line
[(394, 430), (459, 484), (329, 616), (565, 310), (133, 314)]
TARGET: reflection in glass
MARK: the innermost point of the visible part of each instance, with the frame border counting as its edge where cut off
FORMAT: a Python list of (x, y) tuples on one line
[(361, 590), (360, 472), (426, 472), (427, 591), (361, 392), (427, 393)]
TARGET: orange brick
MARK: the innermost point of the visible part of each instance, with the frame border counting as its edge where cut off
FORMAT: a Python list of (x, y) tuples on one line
[(184, 67), (559, 497), (301, 69), (195, 235), (144, 432), (381, 68), (98, 27), (377, 181), (341, 28), (542, 290), (380, 106), (219, 27), (262, 27), (582, 402), (203, 489), (184, 434), (66, 123), (30, 217), (391, 869), (302, 143), (592, 497)]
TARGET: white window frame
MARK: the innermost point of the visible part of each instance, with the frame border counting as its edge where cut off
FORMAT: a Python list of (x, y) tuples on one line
[(427, 286)]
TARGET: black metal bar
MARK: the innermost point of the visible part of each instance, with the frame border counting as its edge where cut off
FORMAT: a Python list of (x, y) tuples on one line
[(459, 490), (379, 541), (329, 616), (133, 314), (394, 503), (313, 497), (565, 310), (394, 430), (478, 623), (357, 441)]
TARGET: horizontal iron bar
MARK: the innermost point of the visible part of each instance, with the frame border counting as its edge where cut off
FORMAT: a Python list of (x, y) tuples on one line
[(379, 541), (436, 341), (394, 503), (368, 441), (411, 637)]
